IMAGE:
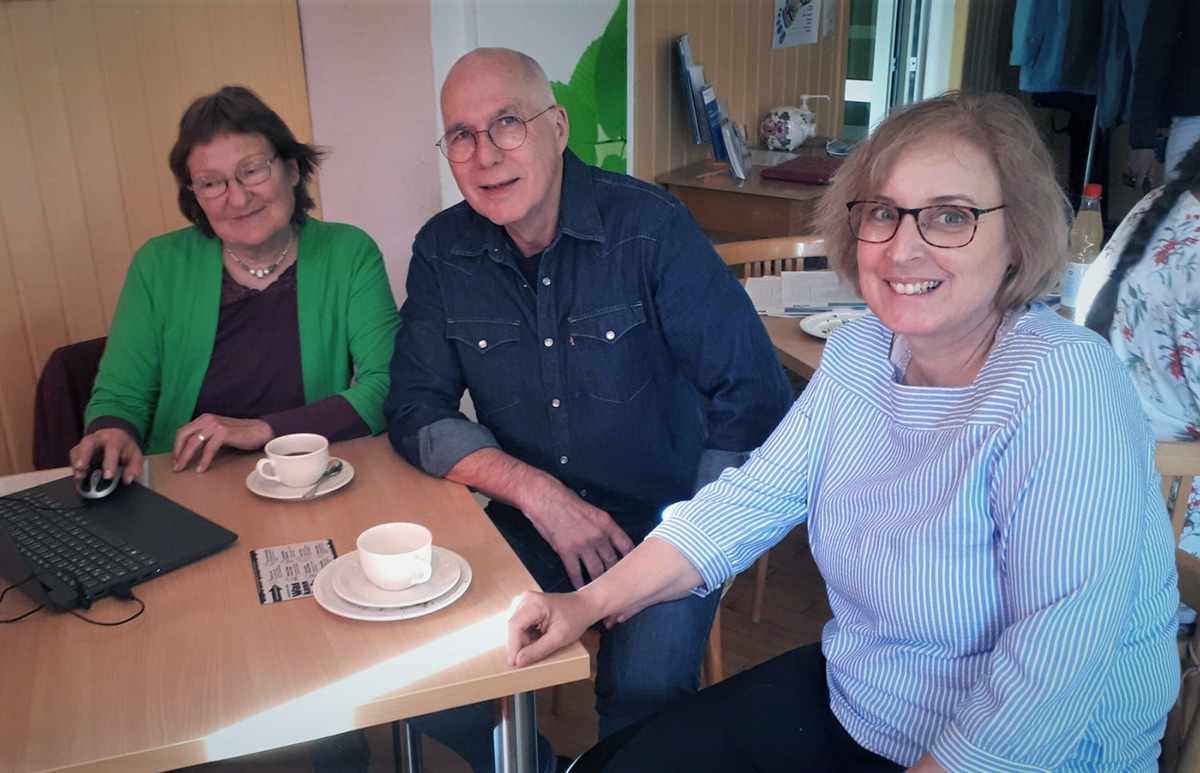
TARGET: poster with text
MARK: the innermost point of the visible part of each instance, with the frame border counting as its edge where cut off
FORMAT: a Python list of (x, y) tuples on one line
[(795, 22)]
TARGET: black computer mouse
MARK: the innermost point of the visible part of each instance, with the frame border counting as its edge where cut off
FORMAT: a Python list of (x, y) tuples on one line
[(93, 484)]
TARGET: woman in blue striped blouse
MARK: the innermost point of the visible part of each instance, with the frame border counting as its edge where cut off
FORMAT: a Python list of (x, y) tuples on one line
[(978, 481)]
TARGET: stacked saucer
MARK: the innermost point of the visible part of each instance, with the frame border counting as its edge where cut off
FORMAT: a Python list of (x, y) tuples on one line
[(343, 589)]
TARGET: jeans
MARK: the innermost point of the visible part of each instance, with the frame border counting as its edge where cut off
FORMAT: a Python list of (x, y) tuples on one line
[(644, 665)]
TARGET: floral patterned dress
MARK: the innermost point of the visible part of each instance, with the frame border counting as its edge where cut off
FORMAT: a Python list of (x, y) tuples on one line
[(1156, 327)]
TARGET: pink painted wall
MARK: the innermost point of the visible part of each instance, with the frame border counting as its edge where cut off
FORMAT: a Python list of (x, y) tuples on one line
[(369, 66)]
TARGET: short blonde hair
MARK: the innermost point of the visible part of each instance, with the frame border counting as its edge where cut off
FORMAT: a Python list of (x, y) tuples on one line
[(1036, 209)]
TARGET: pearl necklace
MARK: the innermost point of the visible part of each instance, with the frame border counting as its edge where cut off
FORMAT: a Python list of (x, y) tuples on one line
[(264, 271)]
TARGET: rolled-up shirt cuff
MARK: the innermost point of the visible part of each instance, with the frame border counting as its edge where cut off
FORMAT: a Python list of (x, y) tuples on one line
[(953, 751), (698, 548), (115, 422), (713, 462), (446, 442)]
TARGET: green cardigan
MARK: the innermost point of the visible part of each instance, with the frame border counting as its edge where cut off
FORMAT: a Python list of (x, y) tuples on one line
[(165, 324)]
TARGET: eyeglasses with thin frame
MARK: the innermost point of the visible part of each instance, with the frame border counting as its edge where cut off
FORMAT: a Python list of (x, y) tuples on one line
[(251, 173), (508, 132), (940, 225)]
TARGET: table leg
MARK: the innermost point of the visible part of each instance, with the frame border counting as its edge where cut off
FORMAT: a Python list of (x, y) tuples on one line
[(406, 748), (515, 734)]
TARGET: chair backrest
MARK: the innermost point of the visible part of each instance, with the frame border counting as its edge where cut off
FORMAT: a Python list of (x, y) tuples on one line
[(63, 391), (1179, 465), (769, 257)]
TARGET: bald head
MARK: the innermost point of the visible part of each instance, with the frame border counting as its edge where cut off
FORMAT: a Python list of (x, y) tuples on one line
[(521, 70), (517, 183)]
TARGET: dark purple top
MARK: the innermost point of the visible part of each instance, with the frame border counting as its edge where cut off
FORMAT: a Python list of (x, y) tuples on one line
[(255, 370)]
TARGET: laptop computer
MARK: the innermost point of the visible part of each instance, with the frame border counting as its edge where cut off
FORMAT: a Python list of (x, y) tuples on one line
[(809, 170), (65, 551)]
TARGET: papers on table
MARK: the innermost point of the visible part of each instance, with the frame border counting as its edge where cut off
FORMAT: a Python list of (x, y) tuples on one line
[(286, 572), (797, 293)]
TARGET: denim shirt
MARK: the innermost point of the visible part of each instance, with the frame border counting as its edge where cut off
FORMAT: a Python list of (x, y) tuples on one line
[(636, 370)]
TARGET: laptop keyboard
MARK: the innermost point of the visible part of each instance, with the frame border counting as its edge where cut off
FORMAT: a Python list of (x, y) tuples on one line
[(62, 541)]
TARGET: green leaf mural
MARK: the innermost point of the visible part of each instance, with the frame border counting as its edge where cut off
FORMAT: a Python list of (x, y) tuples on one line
[(595, 97)]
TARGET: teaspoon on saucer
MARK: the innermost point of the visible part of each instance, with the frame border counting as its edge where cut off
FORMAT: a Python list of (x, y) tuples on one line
[(335, 466)]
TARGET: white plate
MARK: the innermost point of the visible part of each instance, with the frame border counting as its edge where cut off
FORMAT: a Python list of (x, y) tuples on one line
[(351, 583), (325, 595), (273, 490), (821, 325)]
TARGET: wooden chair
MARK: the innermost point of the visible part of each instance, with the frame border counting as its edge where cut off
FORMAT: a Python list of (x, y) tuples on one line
[(1179, 463), (768, 257)]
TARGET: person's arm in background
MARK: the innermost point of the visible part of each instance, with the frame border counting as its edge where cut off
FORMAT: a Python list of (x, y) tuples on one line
[(718, 341), (1148, 88), (426, 427), (1076, 513)]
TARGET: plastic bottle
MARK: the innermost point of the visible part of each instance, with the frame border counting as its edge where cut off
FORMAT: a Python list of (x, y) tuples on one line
[(1087, 234)]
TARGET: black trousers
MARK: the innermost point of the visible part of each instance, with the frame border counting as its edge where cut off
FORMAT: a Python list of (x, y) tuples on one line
[(774, 717)]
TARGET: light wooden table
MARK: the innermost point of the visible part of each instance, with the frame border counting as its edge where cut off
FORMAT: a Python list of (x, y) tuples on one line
[(209, 673), (798, 351)]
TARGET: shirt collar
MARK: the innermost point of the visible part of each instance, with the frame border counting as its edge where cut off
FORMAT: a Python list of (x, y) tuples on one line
[(578, 215), (901, 353)]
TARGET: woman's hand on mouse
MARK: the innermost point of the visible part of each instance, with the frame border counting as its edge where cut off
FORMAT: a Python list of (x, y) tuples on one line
[(208, 432), (119, 447)]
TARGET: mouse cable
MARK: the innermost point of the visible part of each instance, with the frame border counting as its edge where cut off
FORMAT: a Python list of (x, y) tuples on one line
[(125, 593), (4, 593)]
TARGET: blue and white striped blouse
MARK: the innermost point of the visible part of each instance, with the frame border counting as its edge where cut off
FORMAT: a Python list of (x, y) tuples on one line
[(998, 559)]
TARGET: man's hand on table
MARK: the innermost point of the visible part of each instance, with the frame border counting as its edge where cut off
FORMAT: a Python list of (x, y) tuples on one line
[(580, 533)]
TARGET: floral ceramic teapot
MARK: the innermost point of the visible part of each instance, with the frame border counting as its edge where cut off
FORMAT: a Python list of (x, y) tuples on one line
[(786, 128)]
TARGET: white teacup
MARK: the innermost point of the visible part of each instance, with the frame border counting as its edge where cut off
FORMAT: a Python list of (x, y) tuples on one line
[(295, 460), (396, 556)]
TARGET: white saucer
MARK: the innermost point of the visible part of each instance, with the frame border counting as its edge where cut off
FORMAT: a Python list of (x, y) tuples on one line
[(351, 583), (272, 490), (325, 595), (821, 325)]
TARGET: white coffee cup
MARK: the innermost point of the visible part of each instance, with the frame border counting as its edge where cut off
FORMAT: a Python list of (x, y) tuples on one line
[(295, 460), (396, 556)]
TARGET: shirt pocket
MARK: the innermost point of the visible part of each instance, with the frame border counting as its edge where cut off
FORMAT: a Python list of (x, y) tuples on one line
[(489, 351), (609, 358)]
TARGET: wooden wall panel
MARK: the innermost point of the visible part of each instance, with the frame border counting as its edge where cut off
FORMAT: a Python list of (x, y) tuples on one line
[(732, 39), (92, 93)]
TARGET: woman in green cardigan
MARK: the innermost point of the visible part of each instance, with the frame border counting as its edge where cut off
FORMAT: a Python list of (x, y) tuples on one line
[(253, 322)]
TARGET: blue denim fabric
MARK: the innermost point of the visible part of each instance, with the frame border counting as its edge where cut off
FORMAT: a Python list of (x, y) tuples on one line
[(634, 373), (645, 665), (637, 359)]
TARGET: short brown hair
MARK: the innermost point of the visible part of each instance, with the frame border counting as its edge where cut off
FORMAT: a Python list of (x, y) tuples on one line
[(238, 110), (1036, 209)]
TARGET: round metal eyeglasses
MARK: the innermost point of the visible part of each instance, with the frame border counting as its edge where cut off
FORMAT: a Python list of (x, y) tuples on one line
[(940, 225), (251, 173), (508, 132)]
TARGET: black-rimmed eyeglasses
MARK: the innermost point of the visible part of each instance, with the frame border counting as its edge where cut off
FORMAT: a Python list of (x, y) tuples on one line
[(940, 225), (508, 132), (251, 173)]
